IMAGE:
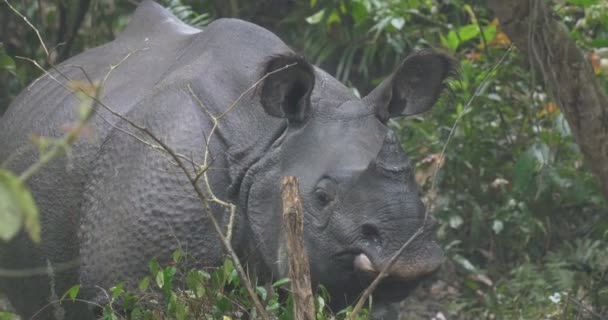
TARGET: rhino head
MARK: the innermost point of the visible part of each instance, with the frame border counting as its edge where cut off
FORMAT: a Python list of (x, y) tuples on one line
[(360, 198)]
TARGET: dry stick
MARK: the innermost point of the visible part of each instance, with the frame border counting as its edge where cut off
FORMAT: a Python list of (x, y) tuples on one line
[(299, 267), (46, 51), (368, 291)]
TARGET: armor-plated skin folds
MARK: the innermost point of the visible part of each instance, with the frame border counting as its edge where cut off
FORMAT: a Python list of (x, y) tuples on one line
[(117, 201)]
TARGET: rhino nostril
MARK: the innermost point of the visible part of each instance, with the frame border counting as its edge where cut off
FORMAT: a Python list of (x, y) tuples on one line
[(370, 232)]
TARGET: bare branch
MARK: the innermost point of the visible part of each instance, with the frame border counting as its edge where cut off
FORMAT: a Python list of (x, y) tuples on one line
[(46, 51)]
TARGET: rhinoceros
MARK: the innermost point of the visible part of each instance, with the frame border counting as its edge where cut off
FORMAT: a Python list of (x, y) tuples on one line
[(116, 201)]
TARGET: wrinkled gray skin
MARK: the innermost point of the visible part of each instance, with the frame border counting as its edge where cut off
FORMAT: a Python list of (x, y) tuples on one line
[(117, 202)]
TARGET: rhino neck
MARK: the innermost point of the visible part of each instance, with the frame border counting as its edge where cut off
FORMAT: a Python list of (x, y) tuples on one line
[(252, 163)]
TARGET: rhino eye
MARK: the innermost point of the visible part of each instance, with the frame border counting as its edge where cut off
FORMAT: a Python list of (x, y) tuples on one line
[(325, 191), (322, 196)]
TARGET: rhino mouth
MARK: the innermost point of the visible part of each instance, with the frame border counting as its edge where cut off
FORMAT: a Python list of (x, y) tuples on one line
[(359, 272)]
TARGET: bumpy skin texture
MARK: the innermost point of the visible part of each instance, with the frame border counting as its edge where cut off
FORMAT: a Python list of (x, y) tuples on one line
[(117, 202)]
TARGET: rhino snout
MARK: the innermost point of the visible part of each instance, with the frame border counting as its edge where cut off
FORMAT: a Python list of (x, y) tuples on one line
[(408, 267)]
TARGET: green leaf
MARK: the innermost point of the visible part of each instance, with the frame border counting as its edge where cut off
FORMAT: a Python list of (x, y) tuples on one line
[(154, 267), (468, 32), (261, 292), (583, 3), (160, 279), (316, 18), (177, 255), (8, 316), (281, 282), (452, 41), (117, 291), (72, 292), (168, 275), (17, 208), (6, 62), (524, 171), (360, 11), (144, 284), (489, 33)]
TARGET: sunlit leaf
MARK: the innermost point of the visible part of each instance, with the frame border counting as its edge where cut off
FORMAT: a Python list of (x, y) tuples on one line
[(497, 226), (398, 22), (465, 263), (72, 292), (317, 17), (456, 221), (468, 32), (160, 279)]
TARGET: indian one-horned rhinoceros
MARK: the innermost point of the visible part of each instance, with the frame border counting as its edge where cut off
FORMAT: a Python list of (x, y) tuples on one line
[(117, 201)]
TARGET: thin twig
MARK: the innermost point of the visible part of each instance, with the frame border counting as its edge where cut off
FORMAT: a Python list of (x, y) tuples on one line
[(61, 146), (39, 271), (59, 301), (368, 291), (481, 86), (46, 51), (582, 306)]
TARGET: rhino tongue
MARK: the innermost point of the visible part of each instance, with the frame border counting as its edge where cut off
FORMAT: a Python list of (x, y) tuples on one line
[(363, 263)]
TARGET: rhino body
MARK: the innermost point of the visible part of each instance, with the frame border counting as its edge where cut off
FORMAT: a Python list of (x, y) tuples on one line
[(117, 201)]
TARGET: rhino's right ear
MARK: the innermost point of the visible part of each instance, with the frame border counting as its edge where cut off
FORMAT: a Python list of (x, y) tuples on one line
[(287, 87), (414, 87)]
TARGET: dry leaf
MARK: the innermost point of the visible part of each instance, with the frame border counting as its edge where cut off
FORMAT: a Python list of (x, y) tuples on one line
[(473, 55), (427, 167), (596, 62)]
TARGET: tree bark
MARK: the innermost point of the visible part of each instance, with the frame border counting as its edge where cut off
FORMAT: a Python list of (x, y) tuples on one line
[(567, 74), (299, 267)]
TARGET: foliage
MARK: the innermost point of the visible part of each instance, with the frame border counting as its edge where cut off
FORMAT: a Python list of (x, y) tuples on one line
[(521, 217), (173, 291)]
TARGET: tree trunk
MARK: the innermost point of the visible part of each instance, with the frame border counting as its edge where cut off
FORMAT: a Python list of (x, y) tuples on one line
[(567, 74)]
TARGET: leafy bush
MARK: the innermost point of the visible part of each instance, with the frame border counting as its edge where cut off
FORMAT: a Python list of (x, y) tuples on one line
[(175, 292)]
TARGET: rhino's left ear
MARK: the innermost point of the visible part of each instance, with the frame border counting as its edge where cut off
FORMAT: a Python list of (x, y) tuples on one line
[(287, 88), (414, 87)]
